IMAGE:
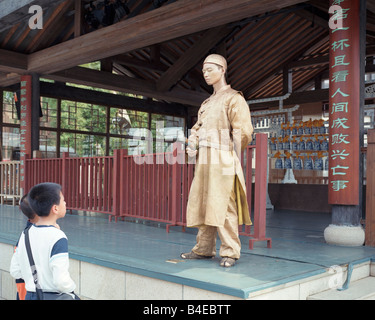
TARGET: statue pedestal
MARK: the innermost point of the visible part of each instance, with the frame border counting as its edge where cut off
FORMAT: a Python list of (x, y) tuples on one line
[(353, 236)]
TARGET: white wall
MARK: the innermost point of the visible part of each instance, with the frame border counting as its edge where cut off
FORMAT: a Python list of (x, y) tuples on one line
[(101, 283)]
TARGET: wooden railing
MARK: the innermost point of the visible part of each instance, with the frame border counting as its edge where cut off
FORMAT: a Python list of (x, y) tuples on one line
[(10, 181), (154, 187)]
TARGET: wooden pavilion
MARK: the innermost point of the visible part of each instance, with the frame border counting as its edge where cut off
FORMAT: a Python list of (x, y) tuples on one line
[(155, 49)]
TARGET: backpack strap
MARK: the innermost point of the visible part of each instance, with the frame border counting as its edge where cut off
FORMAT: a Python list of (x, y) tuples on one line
[(39, 291)]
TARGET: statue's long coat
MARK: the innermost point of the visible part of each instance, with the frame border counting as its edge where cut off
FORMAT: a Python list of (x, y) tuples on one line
[(222, 130)]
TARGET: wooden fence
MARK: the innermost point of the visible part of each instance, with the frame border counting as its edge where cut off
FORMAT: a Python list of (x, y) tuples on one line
[(150, 187), (10, 181), (154, 187)]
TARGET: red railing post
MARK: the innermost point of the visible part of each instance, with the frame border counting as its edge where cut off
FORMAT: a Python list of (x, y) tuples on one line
[(116, 192), (249, 180), (175, 184), (260, 192), (121, 183)]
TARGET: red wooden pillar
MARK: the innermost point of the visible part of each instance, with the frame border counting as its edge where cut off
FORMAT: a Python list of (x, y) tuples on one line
[(370, 189), (29, 121), (346, 100), (25, 126), (260, 192)]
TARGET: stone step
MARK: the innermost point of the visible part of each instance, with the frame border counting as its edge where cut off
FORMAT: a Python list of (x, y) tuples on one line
[(363, 289)]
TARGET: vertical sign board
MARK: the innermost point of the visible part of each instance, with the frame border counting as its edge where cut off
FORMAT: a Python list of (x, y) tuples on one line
[(25, 123), (344, 103)]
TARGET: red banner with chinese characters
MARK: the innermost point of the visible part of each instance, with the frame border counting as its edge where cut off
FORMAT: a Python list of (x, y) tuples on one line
[(25, 122), (344, 103)]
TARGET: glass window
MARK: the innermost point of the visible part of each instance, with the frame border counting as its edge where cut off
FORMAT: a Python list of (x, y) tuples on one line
[(11, 144), (166, 130), (83, 116), (133, 125), (83, 130), (82, 145), (49, 110), (9, 108), (48, 143), (117, 143), (122, 120), (140, 141)]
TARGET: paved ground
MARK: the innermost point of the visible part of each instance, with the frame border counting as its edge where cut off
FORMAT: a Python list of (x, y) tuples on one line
[(298, 250)]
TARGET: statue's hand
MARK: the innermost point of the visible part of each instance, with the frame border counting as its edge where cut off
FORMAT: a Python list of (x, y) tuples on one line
[(191, 153)]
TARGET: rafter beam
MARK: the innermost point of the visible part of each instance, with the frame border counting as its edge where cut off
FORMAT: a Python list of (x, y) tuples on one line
[(78, 14), (126, 84), (191, 57), (314, 17), (9, 79), (175, 20), (309, 62), (370, 6), (12, 62), (270, 75), (139, 63), (98, 97), (295, 98)]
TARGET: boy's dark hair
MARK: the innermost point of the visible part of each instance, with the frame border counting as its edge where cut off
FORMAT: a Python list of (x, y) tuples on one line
[(43, 197), (26, 209)]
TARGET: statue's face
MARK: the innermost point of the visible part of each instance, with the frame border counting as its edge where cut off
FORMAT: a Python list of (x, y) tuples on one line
[(212, 73)]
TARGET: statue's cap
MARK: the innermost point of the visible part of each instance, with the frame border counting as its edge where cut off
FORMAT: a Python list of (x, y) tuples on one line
[(217, 59)]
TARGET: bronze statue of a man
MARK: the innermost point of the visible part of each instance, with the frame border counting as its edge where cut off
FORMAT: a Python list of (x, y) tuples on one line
[(217, 200)]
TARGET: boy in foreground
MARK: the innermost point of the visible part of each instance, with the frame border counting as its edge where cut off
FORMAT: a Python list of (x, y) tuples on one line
[(31, 219), (49, 244)]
